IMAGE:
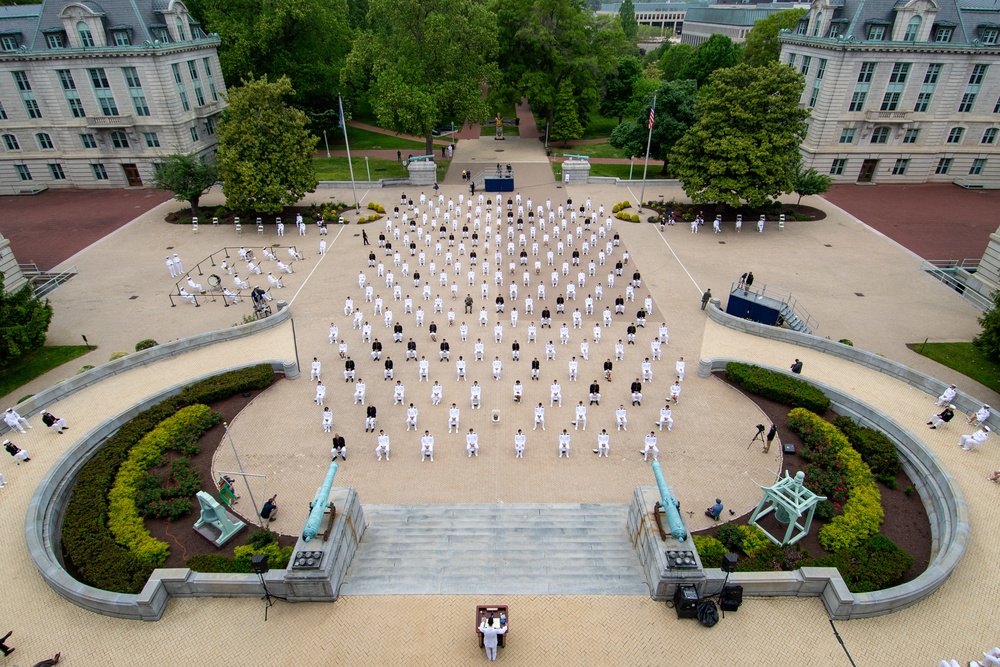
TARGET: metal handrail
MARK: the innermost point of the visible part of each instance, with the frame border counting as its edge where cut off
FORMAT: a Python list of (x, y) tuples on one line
[(55, 280), (784, 296), (973, 263), (948, 278)]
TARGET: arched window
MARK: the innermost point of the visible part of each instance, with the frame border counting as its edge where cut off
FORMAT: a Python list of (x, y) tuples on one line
[(86, 39), (880, 135), (816, 24), (912, 28), (180, 29)]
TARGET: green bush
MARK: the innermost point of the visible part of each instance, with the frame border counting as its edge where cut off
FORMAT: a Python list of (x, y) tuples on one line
[(84, 369), (210, 563), (731, 537), (261, 537), (277, 556), (772, 558), (24, 398), (635, 217), (87, 542), (875, 447), (754, 540), (124, 519), (875, 564), (117, 355), (846, 341), (777, 387), (169, 499), (862, 514), (709, 549), (145, 344)]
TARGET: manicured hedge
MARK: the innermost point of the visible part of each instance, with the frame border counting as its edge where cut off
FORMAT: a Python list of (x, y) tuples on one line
[(258, 542), (777, 387), (862, 514), (875, 447), (124, 521), (97, 558), (875, 564), (710, 550)]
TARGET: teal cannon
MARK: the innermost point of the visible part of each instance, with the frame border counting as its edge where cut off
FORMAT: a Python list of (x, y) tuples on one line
[(319, 505), (669, 505), (421, 158)]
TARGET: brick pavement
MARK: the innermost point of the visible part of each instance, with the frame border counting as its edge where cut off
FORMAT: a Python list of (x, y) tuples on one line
[(819, 260)]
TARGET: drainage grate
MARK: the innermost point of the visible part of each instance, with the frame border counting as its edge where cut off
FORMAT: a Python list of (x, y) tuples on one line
[(858, 294), (133, 297), (722, 243), (827, 245)]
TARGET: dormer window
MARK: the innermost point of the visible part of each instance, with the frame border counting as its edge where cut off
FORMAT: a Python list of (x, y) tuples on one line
[(876, 33), (86, 37), (816, 24), (10, 41), (912, 29), (989, 34), (121, 35), (179, 23), (801, 27), (55, 39), (943, 34), (160, 33)]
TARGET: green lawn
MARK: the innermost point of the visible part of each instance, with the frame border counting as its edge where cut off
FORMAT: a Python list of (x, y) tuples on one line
[(591, 150), (490, 130), (20, 372), (615, 170), (335, 168), (964, 358), (364, 140), (599, 127)]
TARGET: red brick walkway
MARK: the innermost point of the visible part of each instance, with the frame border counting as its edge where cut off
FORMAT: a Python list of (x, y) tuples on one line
[(935, 221)]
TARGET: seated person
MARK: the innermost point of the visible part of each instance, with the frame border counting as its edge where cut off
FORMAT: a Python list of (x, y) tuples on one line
[(715, 510), (270, 508)]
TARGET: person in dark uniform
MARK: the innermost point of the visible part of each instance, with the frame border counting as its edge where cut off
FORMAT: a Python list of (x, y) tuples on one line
[(339, 447), (546, 318), (364, 237), (560, 304), (411, 350), (397, 333), (797, 367), (536, 369), (387, 374), (376, 350), (348, 370), (630, 334), (595, 391), (468, 303), (270, 508), (445, 354), (608, 366), (770, 438), (636, 389), (371, 414)]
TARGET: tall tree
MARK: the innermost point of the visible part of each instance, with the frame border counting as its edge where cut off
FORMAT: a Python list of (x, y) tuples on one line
[(807, 182), (745, 143), (24, 322), (761, 46), (187, 176), (265, 151), (425, 62), (674, 60), (988, 340), (565, 121), (675, 103), (716, 52), (626, 16), (619, 87), (305, 40)]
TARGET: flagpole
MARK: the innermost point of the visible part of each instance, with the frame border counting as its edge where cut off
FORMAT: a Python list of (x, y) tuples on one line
[(649, 142), (340, 106)]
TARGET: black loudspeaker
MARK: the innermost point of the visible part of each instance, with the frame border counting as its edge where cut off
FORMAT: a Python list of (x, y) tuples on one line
[(729, 563), (686, 601), (732, 598), (788, 448), (258, 563)]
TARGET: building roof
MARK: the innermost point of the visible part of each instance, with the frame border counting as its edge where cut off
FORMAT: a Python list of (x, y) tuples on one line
[(738, 15), (645, 7)]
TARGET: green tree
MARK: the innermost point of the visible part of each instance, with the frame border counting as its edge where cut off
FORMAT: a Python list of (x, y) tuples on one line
[(565, 122), (626, 16), (716, 52), (265, 151), (745, 143), (305, 40), (761, 46), (187, 176), (674, 60), (988, 340), (425, 62), (24, 321), (619, 87), (809, 182), (675, 103)]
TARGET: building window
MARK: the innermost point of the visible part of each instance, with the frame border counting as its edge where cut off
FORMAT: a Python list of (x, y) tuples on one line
[(911, 136), (862, 86), (791, 60), (119, 140), (977, 166), (88, 141), (847, 135), (927, 88), (193, 71), (801, 27), (990, 36), (180, 86), (899, 169), (135, 90), (990, 135), (820, 72), (102, 90), (210, 126), (55, 41), (71, 93), (3, 112), (8, 43), (27, 95), (122, 38), (972, 89), (86, 39), (180, 29), (23, 172), (194, 133), (943, 34), (837, 168), (152, 141), (996, 107), (57, 172), (912, 28), (880, 135), (876, 33), (44, 141), (806, 60), (10, 141), (100, 173), (817, 23), (943, 165), (956, 134), (211, 79), (894, 90), (160, 34)]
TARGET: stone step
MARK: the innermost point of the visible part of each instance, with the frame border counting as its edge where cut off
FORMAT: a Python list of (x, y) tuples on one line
[(531, 549)]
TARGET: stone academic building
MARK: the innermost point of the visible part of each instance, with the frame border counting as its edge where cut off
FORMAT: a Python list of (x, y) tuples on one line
[(94, 94), (901, 92)]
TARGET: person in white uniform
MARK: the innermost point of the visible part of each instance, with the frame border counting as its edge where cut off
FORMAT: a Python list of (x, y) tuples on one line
[(603, 444), (320, 393), (460, 369), (518, 391), (398, 393), (314, 370), (539, 417), (411, 417), (666, 418), (327, 419), (555, 393), (497, 368), (564, 439), (472, 443), (949, 394), (453, 415), (427, 446), (581, 417), (476, 395), (423, 370), (520, 440), (971, 442), (650, 447), (15, 421), (383, 446), (490, 634), (680, 366), (621, 417)]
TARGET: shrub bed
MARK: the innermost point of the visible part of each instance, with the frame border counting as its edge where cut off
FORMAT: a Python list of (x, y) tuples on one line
[(259, 542), (861, 516), (875, 447), (875, 564), (97, 558), (124, 519), (710, 550), (777, 387)]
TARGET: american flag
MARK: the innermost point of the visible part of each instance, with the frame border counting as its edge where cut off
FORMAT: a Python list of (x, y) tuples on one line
[(652, 112)]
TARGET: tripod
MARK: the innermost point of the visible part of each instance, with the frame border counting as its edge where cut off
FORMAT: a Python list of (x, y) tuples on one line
[(758, 436), (267, 595)]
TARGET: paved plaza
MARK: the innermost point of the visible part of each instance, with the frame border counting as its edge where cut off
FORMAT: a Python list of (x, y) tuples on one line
[(855, 283)]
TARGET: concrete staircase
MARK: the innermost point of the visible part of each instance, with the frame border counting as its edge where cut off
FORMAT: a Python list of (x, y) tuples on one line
[(530, 549)]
